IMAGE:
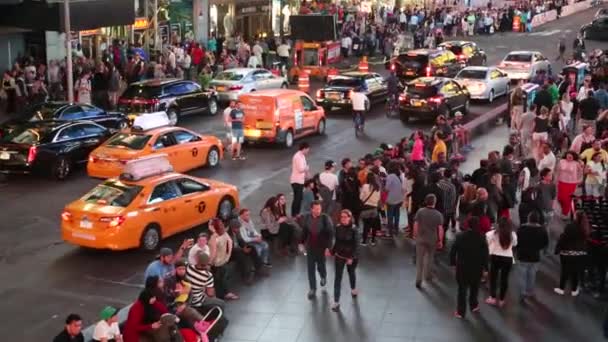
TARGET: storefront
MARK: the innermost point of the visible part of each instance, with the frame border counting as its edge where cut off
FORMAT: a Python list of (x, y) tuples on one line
[(286, 8)]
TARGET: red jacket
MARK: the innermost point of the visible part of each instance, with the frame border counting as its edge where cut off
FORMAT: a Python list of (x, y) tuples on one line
[(134, 324), (197, 55)]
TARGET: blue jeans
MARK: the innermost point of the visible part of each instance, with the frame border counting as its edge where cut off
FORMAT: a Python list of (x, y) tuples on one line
[(527, 278), (392, 215), (262, 249)]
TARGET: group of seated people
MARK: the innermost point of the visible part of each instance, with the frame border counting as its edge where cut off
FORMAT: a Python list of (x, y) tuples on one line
[(197, 278)]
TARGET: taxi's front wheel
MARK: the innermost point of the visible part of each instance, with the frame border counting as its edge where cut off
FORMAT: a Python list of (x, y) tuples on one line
[(150, 238), (213, 157)]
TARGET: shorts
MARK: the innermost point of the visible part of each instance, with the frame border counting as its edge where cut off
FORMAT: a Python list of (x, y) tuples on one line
[(237, 136), (544, 136), (228, 133)]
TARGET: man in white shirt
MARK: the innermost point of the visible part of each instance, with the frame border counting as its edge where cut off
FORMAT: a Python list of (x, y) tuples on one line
[(345, 44), (257, 51), (228, 122), (329, 178), (200, 246), (360, 104), (107, 329), (283, 53), (548, 159), (299, 172)]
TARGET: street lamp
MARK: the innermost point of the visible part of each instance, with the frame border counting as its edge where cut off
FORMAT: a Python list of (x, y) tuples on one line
[(68, 50)]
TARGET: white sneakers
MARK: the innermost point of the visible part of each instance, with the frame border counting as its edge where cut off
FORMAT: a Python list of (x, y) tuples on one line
[(561, 292)]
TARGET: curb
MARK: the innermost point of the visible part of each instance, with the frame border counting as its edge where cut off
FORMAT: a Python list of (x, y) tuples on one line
[(484, 122)]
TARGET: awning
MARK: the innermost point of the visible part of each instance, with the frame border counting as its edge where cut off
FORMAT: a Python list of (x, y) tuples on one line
[(84, 15)]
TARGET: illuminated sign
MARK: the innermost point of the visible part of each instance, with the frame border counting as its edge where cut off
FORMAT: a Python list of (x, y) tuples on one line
[(140, 24), (86, 33)]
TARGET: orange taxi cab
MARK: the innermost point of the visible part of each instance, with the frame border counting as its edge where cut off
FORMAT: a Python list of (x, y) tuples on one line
[(152, 135), (148, 203), (280, 116)]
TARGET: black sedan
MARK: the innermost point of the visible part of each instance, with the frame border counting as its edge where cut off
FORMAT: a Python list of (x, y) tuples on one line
[(336, 92), (65, 111), (429, 97), (596, 30), (52, 148)]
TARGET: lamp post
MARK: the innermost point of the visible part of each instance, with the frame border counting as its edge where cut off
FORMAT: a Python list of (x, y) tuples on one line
[(68, 50)]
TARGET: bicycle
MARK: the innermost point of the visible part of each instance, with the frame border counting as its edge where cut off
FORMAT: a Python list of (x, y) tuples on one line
[(392, 106)]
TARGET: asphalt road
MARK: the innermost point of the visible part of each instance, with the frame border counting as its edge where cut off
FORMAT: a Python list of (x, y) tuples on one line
[(42, 279)]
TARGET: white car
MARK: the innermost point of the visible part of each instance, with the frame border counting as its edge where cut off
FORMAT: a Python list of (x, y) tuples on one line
[(523, 65), (231, 83), (484, 83)]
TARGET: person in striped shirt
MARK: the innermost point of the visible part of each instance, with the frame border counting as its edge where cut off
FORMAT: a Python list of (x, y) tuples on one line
[(202, 291)]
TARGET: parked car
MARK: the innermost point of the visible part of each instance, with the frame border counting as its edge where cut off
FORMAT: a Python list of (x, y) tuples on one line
[(484, 83), (596, 30), (231, 83), (336, 92), (466, 52), (523, 65), (429, 97), (602, 12), (66, 111), (176, 97), (51, 148), (425, 62)]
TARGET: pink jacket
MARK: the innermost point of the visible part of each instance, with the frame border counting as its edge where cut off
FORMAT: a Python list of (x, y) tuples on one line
[(299, 168)]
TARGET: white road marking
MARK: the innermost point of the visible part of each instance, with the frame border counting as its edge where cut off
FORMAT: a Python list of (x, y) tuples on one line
[(113, 282), (545, 33)]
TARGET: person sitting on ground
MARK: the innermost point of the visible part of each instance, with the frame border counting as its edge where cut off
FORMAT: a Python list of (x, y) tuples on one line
[(220, 246), (107, 329), (164, 266), (252, 237), (244, 256), (72, 331), (144, 316), (202, 285), (275, 228), (201, 245)]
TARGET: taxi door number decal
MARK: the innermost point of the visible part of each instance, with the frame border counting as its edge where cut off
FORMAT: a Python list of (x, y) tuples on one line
[(298, 118), (195, 152), (201, 207)]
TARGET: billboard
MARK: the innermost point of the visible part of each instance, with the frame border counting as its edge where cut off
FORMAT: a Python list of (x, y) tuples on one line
[(313, 27)]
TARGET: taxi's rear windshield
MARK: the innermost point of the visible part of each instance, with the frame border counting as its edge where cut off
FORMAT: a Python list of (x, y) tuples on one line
[(414, 60), (113, 193), (345, 82), (518, 57), (131, 141), (422, 91), (475, 74)]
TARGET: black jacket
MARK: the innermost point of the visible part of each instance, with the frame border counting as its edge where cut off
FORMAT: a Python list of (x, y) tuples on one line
[(346, 242), (325, 233), (469, 253), (531, 239)]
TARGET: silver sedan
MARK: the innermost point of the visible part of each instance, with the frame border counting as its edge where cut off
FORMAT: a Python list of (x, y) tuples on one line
[(484, 83), (523, 65), (231, 83)]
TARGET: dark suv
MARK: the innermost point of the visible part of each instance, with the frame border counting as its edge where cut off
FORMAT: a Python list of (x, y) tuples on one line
[(176, 97), (429, 97), (336, 92), (425, 62)]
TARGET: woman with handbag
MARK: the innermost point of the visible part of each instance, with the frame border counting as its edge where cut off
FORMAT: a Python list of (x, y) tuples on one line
[(370, 200)]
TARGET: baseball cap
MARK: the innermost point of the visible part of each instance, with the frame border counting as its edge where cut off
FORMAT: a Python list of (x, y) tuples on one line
[(329, 164), (458, 113), (108, 312), (166, 251)]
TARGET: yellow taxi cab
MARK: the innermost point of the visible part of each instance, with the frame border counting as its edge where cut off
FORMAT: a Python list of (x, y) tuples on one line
[(147, 203), (152, 135)]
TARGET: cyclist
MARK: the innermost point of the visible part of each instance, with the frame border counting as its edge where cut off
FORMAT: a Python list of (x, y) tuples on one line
[(360, 103)]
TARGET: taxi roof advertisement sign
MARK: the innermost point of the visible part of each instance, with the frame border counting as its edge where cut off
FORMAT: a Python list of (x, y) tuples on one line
[(313, 27)]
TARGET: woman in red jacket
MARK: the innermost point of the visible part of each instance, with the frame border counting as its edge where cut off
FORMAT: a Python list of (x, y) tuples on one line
[(144, 315)]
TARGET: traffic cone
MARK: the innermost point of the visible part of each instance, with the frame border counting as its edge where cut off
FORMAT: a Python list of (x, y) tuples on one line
[(304, 81), (363, 65)]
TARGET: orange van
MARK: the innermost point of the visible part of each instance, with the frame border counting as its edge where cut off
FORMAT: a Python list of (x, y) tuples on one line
[(280, 116)]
